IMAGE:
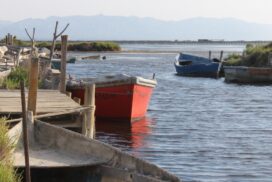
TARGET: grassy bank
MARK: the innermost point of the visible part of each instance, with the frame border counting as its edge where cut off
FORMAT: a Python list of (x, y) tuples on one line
[(94, 46), (12, 81), (255, 56), (74, 45), (7, 173)]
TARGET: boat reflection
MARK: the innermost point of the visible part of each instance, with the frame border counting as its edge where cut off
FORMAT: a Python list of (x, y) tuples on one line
[(125, 134)]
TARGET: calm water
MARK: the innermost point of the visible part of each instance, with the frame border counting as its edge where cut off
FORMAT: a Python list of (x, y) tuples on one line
[(199, 129), (180, 46)]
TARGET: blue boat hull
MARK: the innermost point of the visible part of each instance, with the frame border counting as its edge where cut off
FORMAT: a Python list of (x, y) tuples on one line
[(199, 70), (194, 66), (56, 63)]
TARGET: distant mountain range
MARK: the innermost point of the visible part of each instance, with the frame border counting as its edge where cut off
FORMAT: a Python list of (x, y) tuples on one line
[(133, 28)]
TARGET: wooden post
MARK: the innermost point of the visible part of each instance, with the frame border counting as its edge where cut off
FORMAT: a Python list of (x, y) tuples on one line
[(64, 39), (54, 41), (221, 56), (153, 76), (11, 40), (14, 60), (243, 54), (10, 37), (269, 62), (55, 37), (33, 85), (88, 125), (32, 39), (25, 133), (33, 52), (210, 55), (6, 41), (18, 57)]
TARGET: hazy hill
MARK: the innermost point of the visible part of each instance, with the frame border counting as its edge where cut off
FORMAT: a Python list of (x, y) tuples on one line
[(133, 28)]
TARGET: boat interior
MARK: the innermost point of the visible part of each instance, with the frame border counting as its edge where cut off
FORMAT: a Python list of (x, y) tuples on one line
[(185, 63)]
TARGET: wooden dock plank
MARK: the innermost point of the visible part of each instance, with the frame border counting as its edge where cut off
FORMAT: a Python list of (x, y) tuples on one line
[(49, 101)]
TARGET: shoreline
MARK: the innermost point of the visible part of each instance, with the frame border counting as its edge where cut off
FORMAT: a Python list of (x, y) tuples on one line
[(152, 52)]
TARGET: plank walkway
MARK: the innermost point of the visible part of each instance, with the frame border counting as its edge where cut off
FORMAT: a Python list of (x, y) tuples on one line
[(48, 101)]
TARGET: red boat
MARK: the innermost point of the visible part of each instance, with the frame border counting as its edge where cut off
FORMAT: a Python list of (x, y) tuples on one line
[(118, 97)]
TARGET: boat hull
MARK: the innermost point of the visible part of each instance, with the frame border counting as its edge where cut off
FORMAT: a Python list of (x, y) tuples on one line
[(127, 102), (57, 154), (247, 75), (199, 70), (56, 63), (86, 174)]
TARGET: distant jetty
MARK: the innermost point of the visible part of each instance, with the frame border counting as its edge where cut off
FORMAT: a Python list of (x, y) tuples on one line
[(200, 41)]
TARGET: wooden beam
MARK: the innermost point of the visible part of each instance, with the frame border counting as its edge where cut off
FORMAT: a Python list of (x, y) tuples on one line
[(72, 111)]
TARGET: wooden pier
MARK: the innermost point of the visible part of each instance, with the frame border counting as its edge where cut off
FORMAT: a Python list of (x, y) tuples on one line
[(48, 101)]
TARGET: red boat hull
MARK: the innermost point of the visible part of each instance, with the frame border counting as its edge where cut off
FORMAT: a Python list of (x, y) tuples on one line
[(122, 102)]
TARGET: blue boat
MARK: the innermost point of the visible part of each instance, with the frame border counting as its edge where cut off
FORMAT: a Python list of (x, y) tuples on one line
[(56, 63), (195, 66)]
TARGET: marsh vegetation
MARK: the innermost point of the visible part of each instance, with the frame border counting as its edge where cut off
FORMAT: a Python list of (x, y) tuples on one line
[(7, 172), (253, 56)]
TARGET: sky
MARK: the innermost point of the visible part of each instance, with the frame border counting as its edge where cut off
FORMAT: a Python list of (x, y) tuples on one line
[(258, 11)]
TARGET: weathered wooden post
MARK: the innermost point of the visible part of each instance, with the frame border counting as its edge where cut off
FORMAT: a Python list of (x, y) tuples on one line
[(6, 40), (153, 76), (221, 56), (55, 37), (14, 60), (64, 39), (269, 61), (32, 40), (18, 57), (33, 54), (243, 54), (33, 85), (88, 125), (25, 133), (210, 55), (9, 39)]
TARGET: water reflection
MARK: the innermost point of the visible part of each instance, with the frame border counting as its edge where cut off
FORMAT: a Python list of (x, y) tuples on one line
[(204, 129), (124, 134)]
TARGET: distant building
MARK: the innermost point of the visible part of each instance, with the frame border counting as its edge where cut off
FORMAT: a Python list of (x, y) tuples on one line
[(203, 40), (210, 40)]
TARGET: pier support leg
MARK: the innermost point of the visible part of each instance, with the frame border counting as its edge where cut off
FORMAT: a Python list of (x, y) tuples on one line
[(64, 39), (88, 125), (33, 85)]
